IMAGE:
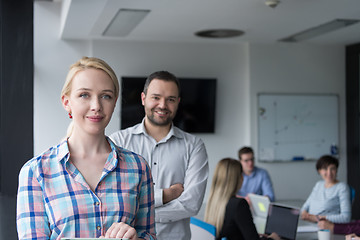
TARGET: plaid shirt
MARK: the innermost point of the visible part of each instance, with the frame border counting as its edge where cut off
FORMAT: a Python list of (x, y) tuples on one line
[(54, 200)]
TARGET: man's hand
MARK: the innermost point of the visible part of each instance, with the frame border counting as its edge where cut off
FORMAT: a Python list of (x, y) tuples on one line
[(173, 192), (121, 230), (325, 224)]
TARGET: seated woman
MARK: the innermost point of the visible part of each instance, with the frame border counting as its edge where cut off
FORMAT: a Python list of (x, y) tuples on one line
[(230, 215), (329, 199)]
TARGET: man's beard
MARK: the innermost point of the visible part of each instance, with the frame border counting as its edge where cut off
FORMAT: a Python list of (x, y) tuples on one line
[(161, 122)]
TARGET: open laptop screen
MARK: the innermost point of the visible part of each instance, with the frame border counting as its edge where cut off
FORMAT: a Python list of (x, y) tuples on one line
[(283, 220)]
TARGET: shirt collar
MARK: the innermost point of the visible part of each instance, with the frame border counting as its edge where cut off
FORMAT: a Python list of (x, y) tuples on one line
[(174, 131), (115, 154), (253, 173), (64, 153)]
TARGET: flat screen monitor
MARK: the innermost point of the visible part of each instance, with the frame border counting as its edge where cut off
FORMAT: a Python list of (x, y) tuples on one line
[(196, 112)]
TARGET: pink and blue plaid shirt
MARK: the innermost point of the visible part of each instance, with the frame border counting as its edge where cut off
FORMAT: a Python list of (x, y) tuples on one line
[(54, 200)]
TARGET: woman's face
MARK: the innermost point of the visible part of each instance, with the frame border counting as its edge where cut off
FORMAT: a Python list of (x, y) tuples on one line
[(329, 173), (91, 101)]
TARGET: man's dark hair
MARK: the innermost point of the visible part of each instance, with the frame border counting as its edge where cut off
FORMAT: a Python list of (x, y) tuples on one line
[(244, 150), (161, 75)]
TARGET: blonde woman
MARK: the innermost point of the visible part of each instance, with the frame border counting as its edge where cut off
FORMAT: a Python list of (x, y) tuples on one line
[(86, 187), (230, 215)]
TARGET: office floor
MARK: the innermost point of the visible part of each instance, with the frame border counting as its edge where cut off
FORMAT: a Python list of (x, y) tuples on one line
[(8, 217)]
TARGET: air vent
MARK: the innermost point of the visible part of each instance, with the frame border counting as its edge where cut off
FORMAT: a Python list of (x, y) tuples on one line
[(219, 33)]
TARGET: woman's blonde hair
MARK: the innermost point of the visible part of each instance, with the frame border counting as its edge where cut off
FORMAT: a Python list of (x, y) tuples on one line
[(227, 180), (88, 63)]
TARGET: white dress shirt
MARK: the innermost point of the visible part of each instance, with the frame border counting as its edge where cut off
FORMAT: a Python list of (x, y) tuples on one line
[(178, 158)]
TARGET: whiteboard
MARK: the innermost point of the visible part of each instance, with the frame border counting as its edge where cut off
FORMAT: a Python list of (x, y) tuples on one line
[(297, 126)]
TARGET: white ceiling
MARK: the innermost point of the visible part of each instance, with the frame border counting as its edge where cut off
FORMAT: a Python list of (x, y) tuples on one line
[(178, 20)]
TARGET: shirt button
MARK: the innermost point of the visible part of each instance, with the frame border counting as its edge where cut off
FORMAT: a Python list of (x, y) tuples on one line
[(98, 228), (154, 163)]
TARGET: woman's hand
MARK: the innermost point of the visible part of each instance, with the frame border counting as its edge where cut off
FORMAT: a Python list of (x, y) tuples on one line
[(121, 230), (304, 215), (352, 236), (310, 217), (325, 224), (274, 236)]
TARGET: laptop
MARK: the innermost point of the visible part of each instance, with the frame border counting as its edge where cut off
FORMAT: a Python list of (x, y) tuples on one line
[(283, 220), (259, 209)]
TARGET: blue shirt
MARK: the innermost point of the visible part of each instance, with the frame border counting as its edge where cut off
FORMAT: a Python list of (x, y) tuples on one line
[(332, 202), (55, 201), (258, 182)]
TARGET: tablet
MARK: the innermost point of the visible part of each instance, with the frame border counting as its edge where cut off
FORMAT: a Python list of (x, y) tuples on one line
[(283, 220)]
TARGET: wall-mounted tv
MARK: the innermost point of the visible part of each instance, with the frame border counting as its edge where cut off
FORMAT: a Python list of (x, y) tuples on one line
[(196, 112)]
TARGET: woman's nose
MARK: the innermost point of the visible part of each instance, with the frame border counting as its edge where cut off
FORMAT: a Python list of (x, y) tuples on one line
[(95, 104)]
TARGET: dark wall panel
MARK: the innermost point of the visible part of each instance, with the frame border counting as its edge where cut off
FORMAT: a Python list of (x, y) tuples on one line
[(353, 123), (16, 90)]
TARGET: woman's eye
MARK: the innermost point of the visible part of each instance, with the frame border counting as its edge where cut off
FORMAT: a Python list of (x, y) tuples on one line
[(107, 97), (84, 95)]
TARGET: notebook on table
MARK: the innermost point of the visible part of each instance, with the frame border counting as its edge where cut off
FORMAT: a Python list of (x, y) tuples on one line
[(283, 220), (259, 209)]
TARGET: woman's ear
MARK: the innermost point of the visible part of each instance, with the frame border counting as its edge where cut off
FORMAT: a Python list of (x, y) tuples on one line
[(115, 104), (66, 103)]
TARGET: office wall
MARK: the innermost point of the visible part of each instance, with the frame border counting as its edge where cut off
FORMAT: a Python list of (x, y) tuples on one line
[(297, 68), (240, 76)]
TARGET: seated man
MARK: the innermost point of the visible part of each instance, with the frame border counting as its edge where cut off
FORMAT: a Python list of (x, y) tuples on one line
[(256, 180)]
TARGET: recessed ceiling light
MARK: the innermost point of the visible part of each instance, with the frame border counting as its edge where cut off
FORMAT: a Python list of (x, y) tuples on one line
[(124, 22), (219, 33), (322, 29)]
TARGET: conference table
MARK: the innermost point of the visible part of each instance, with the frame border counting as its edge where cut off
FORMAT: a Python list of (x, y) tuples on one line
[(304, 234), (312, 234), (300, 235)]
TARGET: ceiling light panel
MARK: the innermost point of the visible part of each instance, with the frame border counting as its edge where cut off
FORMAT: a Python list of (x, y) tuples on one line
[(124, 22), (319, 30)]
